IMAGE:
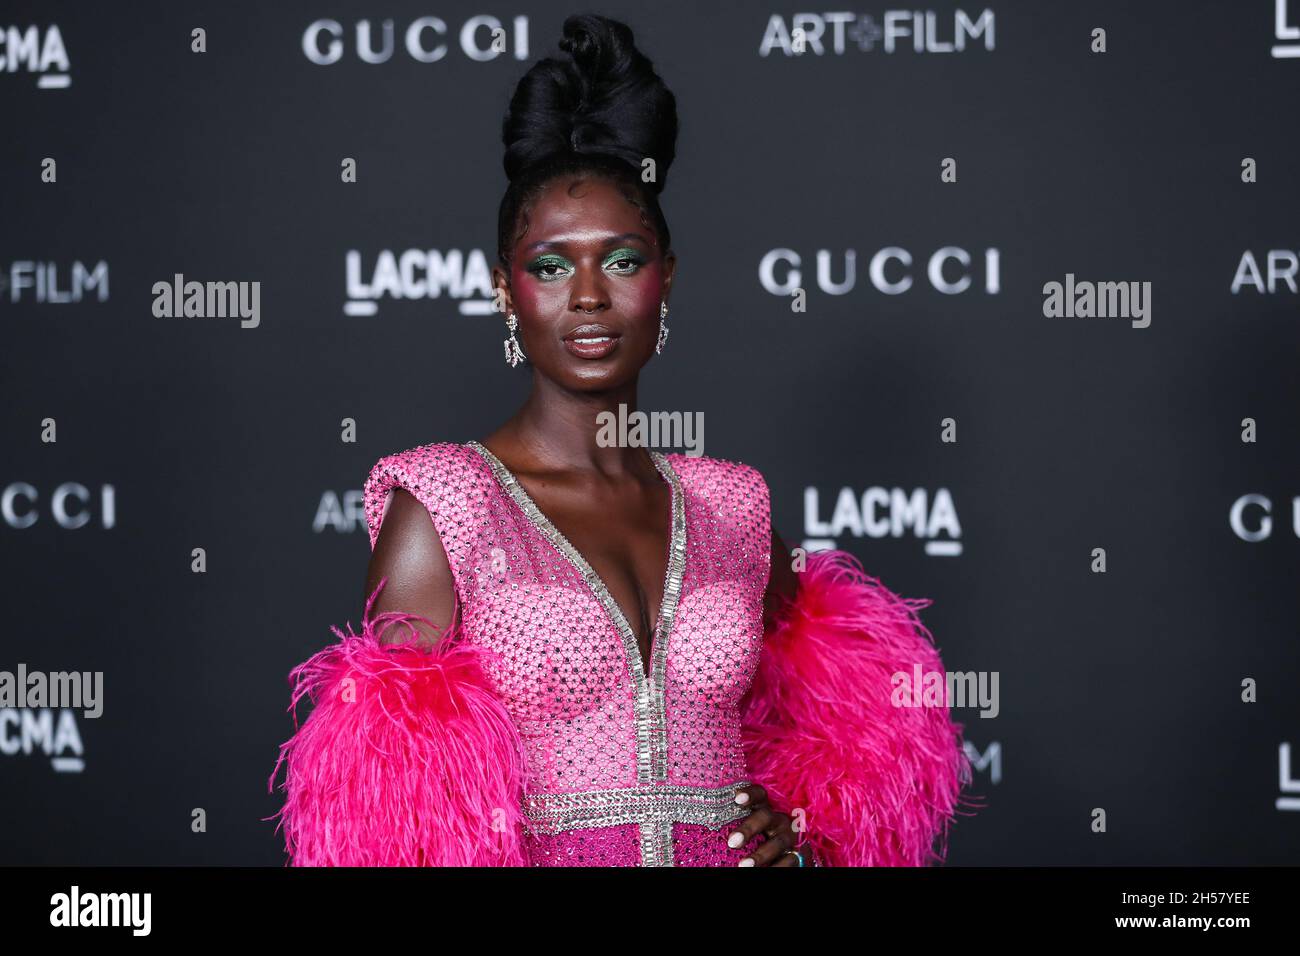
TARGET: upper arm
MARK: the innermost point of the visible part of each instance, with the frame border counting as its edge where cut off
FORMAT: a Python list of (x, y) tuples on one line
[(409, 553), (782, 583)]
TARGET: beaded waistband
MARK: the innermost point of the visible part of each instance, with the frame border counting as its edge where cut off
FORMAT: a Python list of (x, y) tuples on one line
[(656, 806)]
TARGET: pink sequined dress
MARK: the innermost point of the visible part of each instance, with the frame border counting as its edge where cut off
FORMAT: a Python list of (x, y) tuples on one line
[(627, 764)]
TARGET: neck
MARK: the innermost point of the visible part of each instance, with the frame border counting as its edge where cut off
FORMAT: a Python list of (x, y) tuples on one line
[(559, 428)]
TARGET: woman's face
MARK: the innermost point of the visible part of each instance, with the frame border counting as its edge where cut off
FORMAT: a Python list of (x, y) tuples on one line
[(585, 282)]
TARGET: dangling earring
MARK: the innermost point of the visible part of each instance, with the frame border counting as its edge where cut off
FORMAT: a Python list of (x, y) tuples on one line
[(663, 329), (514, 353)]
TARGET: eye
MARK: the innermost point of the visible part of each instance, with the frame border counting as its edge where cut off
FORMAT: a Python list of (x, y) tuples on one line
[(626, 262), (548, 269)]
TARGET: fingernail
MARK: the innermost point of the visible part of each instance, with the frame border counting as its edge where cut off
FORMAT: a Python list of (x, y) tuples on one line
[(742, 797), (736, 839), (747, 861)]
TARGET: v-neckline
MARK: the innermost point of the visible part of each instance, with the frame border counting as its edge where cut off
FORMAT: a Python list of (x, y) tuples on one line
[(673, 572)]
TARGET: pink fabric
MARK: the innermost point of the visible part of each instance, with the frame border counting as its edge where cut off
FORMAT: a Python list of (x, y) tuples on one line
[(693, 845), (556, 657), (878, 784), (407, 759), (440, 759)]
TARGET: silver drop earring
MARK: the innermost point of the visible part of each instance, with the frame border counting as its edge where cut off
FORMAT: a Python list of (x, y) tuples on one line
[(514, 352), (663, 329)]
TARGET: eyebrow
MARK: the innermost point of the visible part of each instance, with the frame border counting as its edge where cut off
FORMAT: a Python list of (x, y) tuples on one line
[(547, 243)]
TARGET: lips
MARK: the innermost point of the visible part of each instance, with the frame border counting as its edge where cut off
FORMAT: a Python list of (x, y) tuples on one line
[(591, 341), (591, 330)]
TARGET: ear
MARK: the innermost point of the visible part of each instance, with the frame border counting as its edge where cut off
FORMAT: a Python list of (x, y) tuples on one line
[(501, 281), (670, 266)]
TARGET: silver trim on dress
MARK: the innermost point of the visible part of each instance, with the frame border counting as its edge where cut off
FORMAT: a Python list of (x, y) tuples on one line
[(651, 723), (656, 807), (674, 803)]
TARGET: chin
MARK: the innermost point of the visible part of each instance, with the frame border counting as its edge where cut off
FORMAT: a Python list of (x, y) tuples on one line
[(584, 376)]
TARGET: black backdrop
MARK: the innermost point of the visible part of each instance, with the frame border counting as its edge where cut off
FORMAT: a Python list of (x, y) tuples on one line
[(1118, 690)]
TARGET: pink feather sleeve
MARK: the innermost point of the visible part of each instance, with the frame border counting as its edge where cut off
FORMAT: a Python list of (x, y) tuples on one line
[(878, 784), (409, 758)]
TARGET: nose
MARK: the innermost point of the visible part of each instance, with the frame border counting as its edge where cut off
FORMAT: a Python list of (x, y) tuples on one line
[(588, 293)]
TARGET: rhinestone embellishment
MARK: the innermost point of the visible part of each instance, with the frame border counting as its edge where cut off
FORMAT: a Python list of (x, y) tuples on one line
[(651, 730), (655, 808), (612, 730)]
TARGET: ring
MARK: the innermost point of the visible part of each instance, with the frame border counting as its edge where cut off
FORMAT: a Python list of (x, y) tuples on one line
[(797, 855)]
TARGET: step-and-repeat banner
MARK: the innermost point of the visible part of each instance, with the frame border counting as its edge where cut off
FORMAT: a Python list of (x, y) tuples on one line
[(920, 250)]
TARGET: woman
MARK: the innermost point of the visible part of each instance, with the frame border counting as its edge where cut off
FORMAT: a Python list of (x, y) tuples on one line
[(606, 655)]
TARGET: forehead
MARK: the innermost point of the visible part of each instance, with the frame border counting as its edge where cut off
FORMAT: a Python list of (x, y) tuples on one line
[(580, 210)]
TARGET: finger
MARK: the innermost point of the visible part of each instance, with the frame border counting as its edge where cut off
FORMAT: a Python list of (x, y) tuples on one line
[(753, 795), (743, 830), (790, 845), (779, 838), (788, 859)]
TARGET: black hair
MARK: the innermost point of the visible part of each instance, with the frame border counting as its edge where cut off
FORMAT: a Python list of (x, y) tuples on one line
[(599, 108)]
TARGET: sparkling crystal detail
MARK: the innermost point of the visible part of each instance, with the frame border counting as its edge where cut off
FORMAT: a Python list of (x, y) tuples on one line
[(650, 749)]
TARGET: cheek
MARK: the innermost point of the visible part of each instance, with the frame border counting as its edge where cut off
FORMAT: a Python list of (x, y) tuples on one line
[(530, 295), (639, 294)]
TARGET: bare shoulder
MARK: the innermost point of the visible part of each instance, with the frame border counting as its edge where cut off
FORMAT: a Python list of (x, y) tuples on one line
[(408, 558)]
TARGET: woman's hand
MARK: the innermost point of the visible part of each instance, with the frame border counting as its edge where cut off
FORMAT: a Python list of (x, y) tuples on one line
[(776, 828)]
